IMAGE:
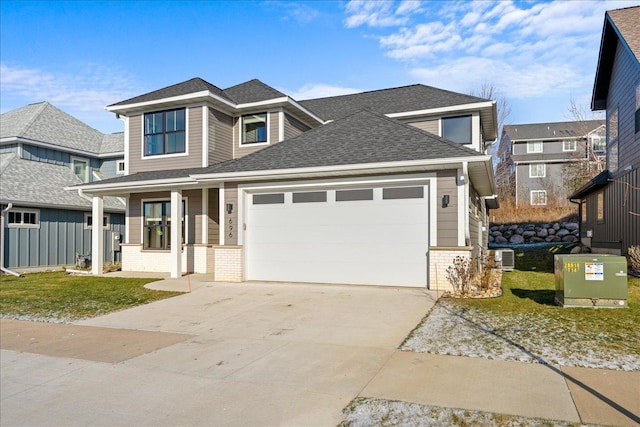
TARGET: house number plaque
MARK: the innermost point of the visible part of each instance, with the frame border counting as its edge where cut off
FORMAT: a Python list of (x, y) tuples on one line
[(230, 227)]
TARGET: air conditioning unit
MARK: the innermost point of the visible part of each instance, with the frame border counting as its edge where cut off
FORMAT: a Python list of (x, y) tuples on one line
[(506, 259)]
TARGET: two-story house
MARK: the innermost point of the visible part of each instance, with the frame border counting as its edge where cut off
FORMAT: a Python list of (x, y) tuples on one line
[(42, 151), (610, 202), (378, 188), (539, 160)]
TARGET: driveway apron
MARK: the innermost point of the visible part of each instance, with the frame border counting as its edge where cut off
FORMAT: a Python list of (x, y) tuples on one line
[(229, 354)]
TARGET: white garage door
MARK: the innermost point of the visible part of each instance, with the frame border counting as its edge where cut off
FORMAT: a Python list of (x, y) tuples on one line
[(371, 236)]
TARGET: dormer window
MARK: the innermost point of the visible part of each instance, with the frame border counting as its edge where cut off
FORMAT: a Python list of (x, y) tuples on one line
[(254, 128), (164, 132)]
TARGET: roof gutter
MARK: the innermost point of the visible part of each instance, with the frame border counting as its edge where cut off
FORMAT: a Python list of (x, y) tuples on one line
[(18, 140), (360, 168)]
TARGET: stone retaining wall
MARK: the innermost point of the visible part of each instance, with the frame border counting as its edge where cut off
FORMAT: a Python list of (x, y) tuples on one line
[(534, 233)]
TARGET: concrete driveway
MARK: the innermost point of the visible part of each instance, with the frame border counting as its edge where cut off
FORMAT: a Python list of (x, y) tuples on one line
[(249, 354)]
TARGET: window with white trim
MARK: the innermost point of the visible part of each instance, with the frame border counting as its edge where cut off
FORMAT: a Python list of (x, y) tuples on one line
[(598, 143), (457, 129), (88, 221), (537, 170), (23, 218), (612, 141), (538, 197), (164, 132), (157, 224), (569, 145), (254, 128), (534, 147), (80, 168), (119, 166)]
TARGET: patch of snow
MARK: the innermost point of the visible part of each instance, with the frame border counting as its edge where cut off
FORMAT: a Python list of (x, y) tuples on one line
[(366, 412), (465, 331)]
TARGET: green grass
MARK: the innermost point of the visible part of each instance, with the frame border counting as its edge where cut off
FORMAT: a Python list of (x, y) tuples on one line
[(59, 297), (531, 295)]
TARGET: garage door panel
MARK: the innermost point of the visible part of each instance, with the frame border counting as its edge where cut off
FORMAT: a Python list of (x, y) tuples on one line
[(382, 242)]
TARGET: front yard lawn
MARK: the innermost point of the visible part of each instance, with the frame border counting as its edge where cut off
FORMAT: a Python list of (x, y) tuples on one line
[(57, 297), (525, 325)]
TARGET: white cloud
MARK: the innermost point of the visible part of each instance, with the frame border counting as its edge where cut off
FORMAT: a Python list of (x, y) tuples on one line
[(319, 90), (466, 73), (379, 13), (299, 12), (83, 93)]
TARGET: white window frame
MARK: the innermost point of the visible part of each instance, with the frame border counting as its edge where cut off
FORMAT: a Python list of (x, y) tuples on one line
[(268, 132), (118, 163), (531, 147), (537, 171), (106, 217), (532, 194), (184, 214), (572, 146), (21, 224), (87, 170)]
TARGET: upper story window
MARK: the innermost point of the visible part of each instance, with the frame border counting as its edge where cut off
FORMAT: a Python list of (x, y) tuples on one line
[(80, 169), (569, 145), (537, 170), (120, 166), (23, 218), (598, 143), (254, 128), (612, 141), (457, 129), (164, 132), (534, 147), (637, 118)]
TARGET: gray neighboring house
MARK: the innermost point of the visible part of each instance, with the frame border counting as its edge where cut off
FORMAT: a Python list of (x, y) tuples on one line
[(42, 151), (384, 187), (533, 158), (610, 202)]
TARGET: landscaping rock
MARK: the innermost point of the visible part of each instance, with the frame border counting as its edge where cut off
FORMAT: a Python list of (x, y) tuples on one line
[(563, 232), (542, 233), (516, 239), (571, 226), (501, 239)]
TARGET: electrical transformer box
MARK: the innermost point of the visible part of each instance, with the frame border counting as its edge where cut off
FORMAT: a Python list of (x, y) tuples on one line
[(591, 280)]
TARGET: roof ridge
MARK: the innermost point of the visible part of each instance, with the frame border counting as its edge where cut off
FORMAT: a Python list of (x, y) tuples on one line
[(363, 92), (36, 115)]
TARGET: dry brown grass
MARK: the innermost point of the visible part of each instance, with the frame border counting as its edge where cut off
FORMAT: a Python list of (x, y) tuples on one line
[(508, 213)]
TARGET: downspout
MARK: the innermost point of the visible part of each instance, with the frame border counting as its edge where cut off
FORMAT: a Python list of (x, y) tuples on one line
[(2, 267), (466, 207)]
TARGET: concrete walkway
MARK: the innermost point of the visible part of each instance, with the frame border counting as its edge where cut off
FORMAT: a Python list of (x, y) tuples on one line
[(273, 355)]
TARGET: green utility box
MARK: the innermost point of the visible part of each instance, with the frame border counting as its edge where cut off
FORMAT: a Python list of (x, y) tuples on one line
[(591, 280)]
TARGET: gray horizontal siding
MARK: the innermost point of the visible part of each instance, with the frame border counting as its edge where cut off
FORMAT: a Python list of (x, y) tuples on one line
[(447, 217), (293, 127), (59, 239), (220, 144), (432, 126), (194, 146)]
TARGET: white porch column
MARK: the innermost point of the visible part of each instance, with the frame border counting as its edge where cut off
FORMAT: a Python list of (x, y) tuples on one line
[(176, 234), (97, 235)]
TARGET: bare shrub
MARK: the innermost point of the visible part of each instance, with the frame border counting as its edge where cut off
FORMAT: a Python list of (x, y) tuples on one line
[(634, 257), (460, 273)]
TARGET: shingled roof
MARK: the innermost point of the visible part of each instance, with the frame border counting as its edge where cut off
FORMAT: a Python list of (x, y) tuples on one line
[(44, 122), (30, 183), (252, 91), (388, 101), (554, 130), (193, 85), (620, 26), (363, 137)]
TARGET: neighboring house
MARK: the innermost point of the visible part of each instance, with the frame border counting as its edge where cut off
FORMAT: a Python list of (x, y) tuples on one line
[(536, 160), (42, 151), (347, 189), (610, 202)]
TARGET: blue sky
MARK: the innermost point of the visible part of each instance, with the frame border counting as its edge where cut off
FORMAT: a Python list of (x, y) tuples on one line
[(82, 56)]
